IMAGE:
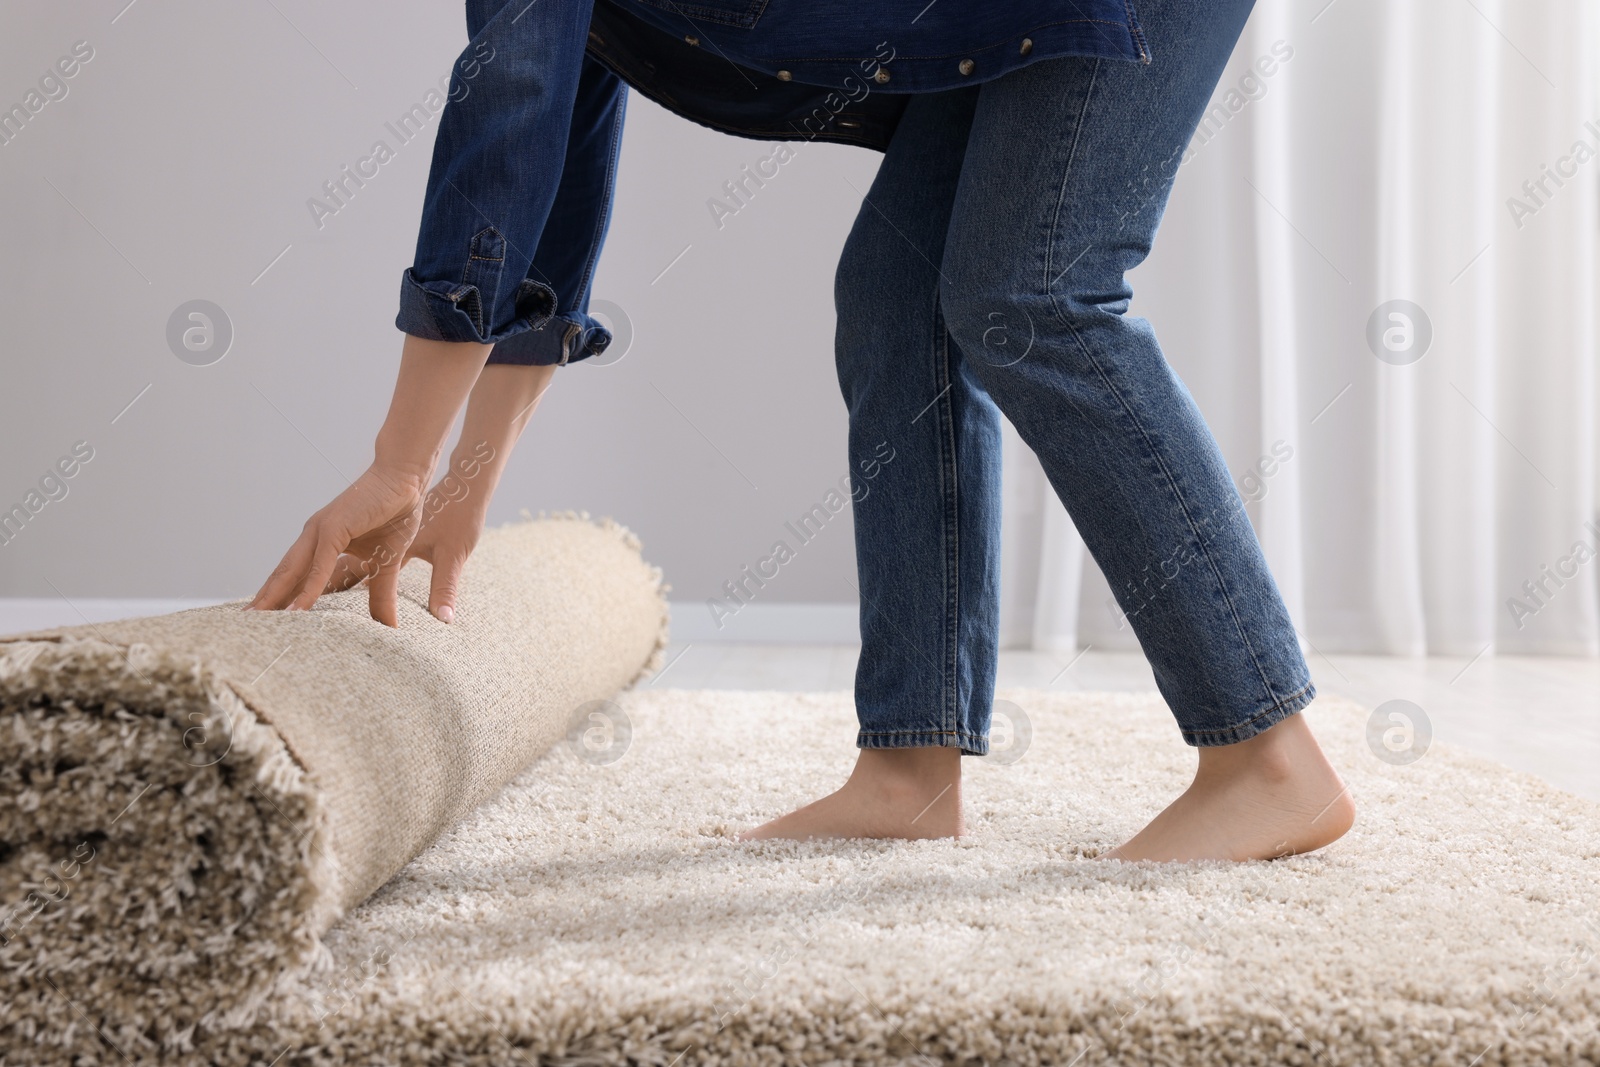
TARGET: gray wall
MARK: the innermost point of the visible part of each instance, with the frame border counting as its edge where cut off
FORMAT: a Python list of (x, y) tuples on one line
[(177, 167)]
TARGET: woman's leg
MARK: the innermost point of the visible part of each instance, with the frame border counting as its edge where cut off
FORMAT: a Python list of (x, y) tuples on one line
[(924, 454), (1066, 173)]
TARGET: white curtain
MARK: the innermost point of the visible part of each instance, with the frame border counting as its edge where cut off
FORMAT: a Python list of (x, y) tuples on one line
[(1445, 153)]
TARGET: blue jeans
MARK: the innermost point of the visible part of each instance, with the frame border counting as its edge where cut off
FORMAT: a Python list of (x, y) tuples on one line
[(524, 161), (985, 273), (520, 189)]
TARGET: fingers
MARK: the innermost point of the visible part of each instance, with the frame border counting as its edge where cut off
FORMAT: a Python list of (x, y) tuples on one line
[(284, 580), (348, 570), (324, 556), (383, 594), (446, 583)]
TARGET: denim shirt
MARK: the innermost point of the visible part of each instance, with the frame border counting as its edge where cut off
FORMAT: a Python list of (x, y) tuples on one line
[(524, 162)]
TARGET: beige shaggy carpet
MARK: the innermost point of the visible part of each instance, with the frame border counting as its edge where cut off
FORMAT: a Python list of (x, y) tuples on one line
[(599, 911), (188, 802)]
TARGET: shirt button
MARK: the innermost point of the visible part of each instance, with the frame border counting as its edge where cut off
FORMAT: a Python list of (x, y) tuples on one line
[(692, 41), (881, 76), (784, 75), (1027, 45), (965, 66)]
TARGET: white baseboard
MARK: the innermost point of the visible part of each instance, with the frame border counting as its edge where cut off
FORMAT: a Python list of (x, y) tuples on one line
[(768, 624), (774, 624)]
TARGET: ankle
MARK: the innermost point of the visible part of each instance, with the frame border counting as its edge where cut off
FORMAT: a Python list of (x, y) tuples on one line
[(905, 793), (923, 760), (1275, 756), (913, 771)]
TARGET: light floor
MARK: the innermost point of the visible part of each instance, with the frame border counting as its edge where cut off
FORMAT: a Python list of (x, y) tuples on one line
[(1535, 714)]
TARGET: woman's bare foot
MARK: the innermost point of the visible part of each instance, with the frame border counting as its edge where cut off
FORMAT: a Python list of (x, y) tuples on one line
[(1272, 795), (893, 792)]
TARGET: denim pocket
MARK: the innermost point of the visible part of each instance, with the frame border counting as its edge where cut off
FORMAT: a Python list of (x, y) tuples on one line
[(741, 13)]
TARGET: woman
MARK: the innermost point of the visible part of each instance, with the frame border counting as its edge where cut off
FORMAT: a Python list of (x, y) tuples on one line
[(1028, 157)]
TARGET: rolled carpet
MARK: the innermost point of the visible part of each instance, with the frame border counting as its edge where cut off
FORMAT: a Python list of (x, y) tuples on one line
[(188, 802)]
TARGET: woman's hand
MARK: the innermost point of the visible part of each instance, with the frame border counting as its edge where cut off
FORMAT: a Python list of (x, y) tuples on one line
[(365, 531), (453, 512), (362, 533), (501, 404)]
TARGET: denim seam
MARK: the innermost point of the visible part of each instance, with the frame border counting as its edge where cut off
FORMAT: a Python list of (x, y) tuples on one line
[(950, 666), (476, 315), (765, 133), (483, 321), (433, 316), (1299, 699), (604, 213), (712, 15), (979, 50), (1136, 32), (1055, 221), (1183, 506), (1127, 409), (555, 302), (965, 739), (914, 732)]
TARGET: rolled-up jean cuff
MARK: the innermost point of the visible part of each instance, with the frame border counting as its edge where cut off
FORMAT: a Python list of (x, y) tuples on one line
[(564, 339), (454, 311), (969, 743), (1262, 720)]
